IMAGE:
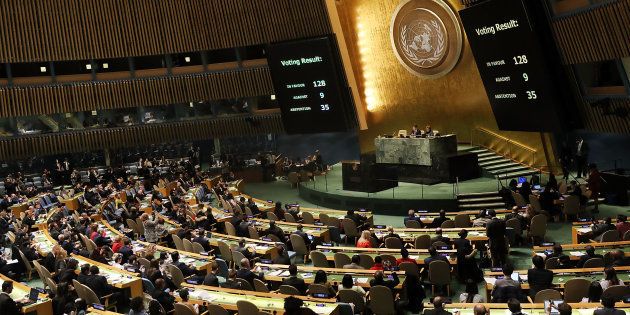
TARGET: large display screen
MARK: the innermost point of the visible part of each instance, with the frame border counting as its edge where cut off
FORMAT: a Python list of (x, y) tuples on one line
[(310, 86), (514, 68)]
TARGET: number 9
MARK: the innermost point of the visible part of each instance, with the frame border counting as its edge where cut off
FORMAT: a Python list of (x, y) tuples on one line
[(526, 77)]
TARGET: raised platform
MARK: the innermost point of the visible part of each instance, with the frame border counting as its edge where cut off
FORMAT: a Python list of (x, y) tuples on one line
[(327, 191)]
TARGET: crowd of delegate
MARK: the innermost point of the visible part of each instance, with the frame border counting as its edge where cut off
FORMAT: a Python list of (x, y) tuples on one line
[(101, 199)]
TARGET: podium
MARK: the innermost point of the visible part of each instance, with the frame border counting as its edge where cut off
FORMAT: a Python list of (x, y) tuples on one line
[(368, 176)]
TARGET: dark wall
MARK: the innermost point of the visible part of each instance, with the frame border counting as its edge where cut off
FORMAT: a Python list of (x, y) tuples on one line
[(334, 147), (606, 148)]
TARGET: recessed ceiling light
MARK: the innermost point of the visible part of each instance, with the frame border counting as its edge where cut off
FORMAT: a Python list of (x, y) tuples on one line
[(273, 97), (187, 59), (88, 66), (105, 66), (42, 69)]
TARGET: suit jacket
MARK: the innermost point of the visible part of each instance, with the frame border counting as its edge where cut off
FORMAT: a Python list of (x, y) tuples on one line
[(608, 311), (437, 312), (430, 259), (187, 271), (211, 280), (391, 284), (437, 222), (539, 279), (203, 241), (165, 299), (8, 306), (242, 229), (586, 257), (495, 228), (441, 239), (247, 275), (295, 282), (99, 285)]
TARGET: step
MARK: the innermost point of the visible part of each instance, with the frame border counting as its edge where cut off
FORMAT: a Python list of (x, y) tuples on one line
[(493, 162), (518, 174), (489, 205), (477, 150), (510, 170), (500, 165), (485, 154), (480, 199), (477, 195), (491, 158)]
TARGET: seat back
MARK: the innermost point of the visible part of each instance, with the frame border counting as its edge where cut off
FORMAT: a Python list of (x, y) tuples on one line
[(144, 262), (324, 218), (183, 309), (140, 226), (253, 232), (575, 290), (422, 242), (176, 275), (518, 199), (188, 246), (409, 267), (197, 248), (552, 263), (91, 246), (307, 218), (272, 216), (381, 300), (132, 225), (393, 242), (260, 286), (366, 261), (223, 267), (610, 236), (299, 246), (448, 224), (246, 308), (571, 205), (319, 259), (147, 286), (245, 285), (248, 211), (38, 268), (617, 292), (353, 297), (535, 203), (350, 228), (594, 263), (89, 296), (316, 288), (335, 234), (51, 284), (538, 226), (217, 310), (341, 260), (237, 257), (27, 264), (439, 272), (225, 251), (413, 224), (462, 221), (288, 290), (390, 258), (179, 244), (515, 224), (546, 295), (289, 217), (229, 228)]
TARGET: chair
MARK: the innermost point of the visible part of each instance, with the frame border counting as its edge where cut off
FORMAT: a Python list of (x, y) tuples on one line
[(610, 236), (422, 242), (27, 265), (341, 260), (229, 228), (248, 211), (617, 292), (462, 221), (91, 246), (188, 245), (288, 290), (575, 289), (440, 275), (140, 226), (260, 286), (519, 200), (247, 308), (594, 263), (350, 229), (515, 224), (253, 232), (413, 224), (147, 286), (335, 234), (366, 261), (44, 271), (409, 267), (144, 262), (225, 251), (299, 246), (274, 238), (245, 285), (179, 244), (626, 236), (324, 218), (546, 295), (272, 216), (132, 225), (393, 242), (183, 309), (176, 275), (571, 206), (390, 258), (316, 288), (91, 298), (319, 259), (448, 224), (552, 263), (51, 284), (289, 217), (216, 310), (197, 248), (382, 300), (307, 218), (353, 297), (538, 227), (237, 257)]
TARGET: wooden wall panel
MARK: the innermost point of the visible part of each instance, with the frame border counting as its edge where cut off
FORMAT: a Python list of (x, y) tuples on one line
[(600, 33), (597, 119), (51, 30), (73, 97), (112, 138)]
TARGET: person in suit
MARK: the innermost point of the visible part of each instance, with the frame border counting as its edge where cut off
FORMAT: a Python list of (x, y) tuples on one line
[(358, 219), (245, 272), (496, 231), (245, 249), (299, 231), (379, 279), (295, 281), (415, 131), (126, 250), (439, 238), (515, 214), (98, 283), (354, 263), (434, 256), (600, 228), (622, 225), (514, 305), (166, 299), (212, 278), (608, 302), (242, 229), (538, 277), (282, 258), (202, 239), (411, 216), (581, 156), (275, 230), (437, 222), (186, 270), (7, 304), (438, 307), (564, 309), (590, 253), (507, 280), (84, 274)]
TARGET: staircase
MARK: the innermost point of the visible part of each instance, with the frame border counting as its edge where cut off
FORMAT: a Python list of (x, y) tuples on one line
[(480, 201), (497, 166)]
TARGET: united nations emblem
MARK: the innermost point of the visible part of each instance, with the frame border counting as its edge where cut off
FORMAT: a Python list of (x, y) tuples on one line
[(426, 37)]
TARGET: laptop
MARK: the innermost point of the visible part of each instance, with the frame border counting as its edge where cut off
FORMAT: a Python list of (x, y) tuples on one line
[(33, 295)]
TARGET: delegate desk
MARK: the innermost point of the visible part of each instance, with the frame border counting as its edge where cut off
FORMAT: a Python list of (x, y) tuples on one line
[(409, 235), (414, 151), (316, 231), (119, 278), (575, 251), (362, 277), (273, 303), (417, 254), (527, 308), (560, 276), (72, 203), (337, 214), (263, 248), (43, 305), (427, 217)]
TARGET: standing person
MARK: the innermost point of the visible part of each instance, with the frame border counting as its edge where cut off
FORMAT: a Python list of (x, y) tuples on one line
[(581, 156), (565, 160), (496, 230), (594, 182)]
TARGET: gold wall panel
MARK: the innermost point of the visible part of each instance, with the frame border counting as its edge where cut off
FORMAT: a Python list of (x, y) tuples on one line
[(396, 99)]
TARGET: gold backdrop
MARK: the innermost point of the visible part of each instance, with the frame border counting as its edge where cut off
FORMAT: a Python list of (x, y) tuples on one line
[(396, 99)]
